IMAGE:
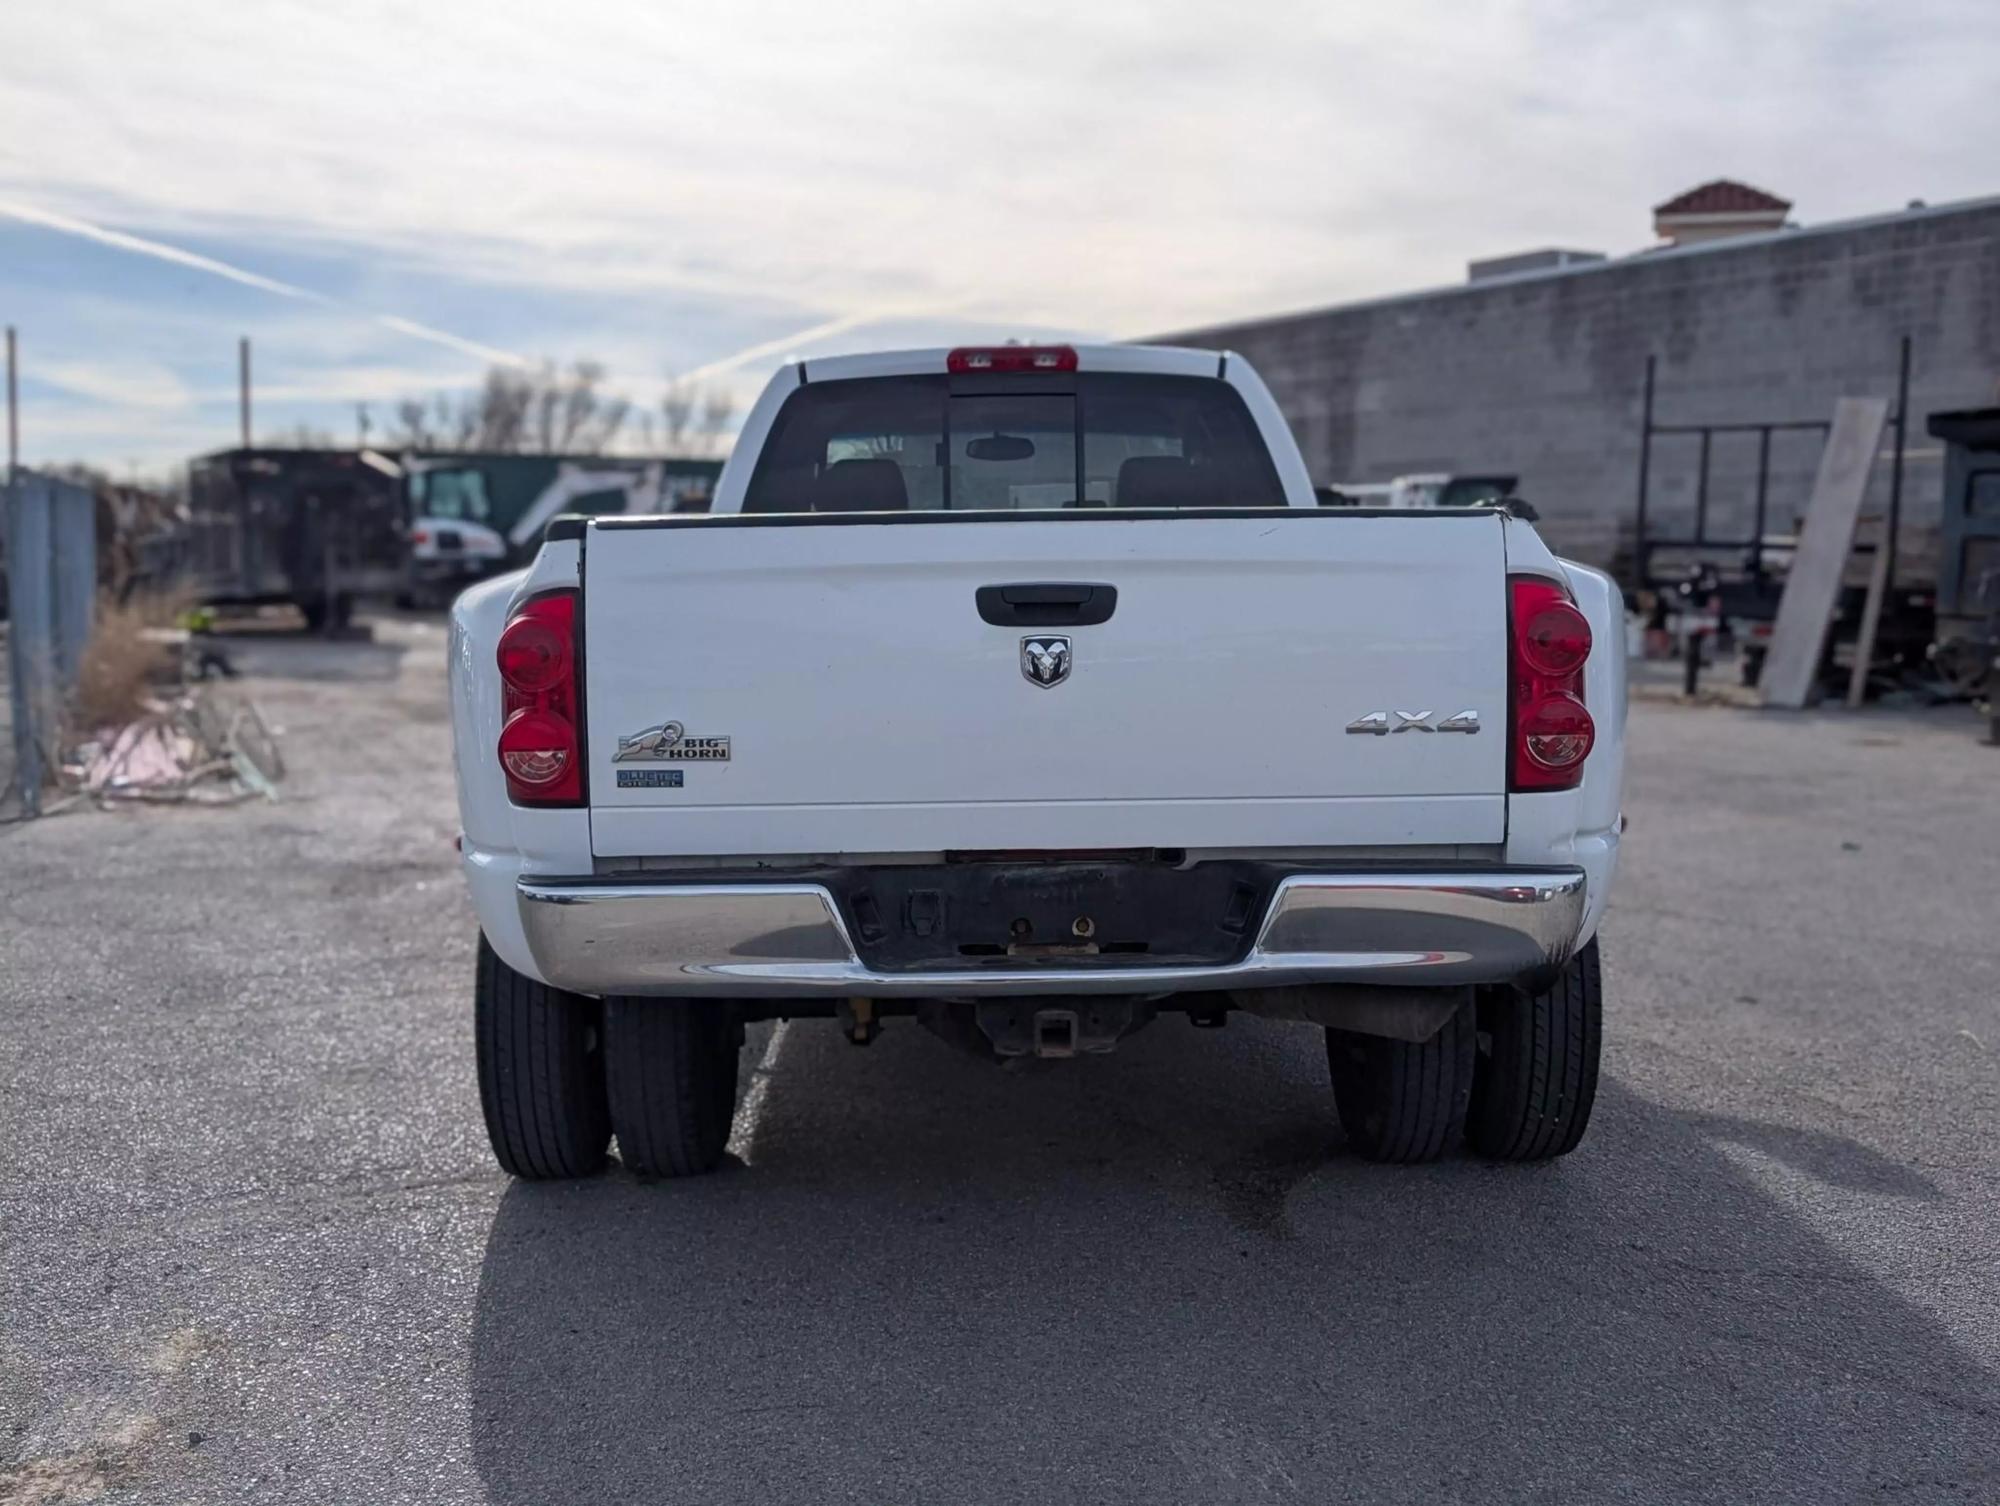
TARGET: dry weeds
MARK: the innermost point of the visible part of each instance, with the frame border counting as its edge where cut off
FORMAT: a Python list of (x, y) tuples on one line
[(121, 664)]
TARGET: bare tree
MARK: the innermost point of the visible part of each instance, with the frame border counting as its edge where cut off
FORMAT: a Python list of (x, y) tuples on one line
[(80, 473), (590, 421), (500, 419), (448, 422), (717, 406), (611, 418), (579, 403), (676, 413), (412, 429), (301, 436), (548, 409)]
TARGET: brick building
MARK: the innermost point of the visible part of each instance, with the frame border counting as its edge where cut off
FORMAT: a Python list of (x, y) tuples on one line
[(1536, 366)]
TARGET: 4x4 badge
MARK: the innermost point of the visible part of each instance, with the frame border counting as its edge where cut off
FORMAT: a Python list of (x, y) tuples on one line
[(1378, 722), (1045, 660)]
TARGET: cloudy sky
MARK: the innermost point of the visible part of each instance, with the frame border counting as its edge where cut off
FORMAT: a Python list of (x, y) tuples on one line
[(387, 197)]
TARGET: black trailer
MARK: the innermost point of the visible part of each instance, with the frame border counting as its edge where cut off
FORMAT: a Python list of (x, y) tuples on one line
[(1718, 572), (315, 528)]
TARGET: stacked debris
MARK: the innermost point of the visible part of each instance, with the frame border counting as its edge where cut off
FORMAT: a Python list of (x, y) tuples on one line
[(203, 747)]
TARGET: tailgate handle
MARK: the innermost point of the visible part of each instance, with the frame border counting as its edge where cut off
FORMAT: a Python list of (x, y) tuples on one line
[(1047, 604)]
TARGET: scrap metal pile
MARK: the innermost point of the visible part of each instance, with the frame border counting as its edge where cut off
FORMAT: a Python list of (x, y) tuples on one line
[(205, 747)]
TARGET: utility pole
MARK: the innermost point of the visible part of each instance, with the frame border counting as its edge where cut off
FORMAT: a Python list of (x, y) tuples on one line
[(361, 425), (243, 385), (13, 413)]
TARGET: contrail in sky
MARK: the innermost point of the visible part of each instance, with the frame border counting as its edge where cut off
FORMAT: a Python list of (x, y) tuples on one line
[(160, 251), (838, 326), (444, 337), (784, 343)]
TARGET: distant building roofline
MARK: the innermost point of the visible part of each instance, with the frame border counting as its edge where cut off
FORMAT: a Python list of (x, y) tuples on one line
[(1514, 263), (1646, 257)]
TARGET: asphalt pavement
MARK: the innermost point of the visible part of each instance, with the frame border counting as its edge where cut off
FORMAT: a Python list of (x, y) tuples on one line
[(253, 1246)]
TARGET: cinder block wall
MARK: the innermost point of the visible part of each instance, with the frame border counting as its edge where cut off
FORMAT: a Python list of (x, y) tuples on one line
[(1542, 375)]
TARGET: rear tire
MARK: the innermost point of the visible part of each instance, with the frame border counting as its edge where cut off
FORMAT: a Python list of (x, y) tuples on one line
[(541, 1073), (1537, 1076), (672, 1074), (1403, 1101)]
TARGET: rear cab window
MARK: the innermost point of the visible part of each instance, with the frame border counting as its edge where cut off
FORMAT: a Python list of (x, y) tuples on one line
[(1001, 443)]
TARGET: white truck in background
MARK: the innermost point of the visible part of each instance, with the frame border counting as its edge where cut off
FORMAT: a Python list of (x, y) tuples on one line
[(1027, 692), (1420, 490), (473, 514)]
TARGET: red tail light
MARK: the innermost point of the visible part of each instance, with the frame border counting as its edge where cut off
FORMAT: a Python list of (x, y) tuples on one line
[(541, 748), (1550, 728), (972, 358)]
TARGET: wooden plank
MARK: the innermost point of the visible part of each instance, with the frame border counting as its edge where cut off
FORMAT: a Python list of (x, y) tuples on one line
[(1871, 619), (1813, 587)]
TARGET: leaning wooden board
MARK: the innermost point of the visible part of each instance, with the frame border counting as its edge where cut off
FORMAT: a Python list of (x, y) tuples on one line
[(1813, 587)]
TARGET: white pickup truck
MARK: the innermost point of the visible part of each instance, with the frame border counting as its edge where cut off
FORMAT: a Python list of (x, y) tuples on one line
[(1025, 691)]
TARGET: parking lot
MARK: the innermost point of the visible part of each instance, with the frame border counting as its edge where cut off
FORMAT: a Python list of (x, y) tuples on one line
[(253, 1245)]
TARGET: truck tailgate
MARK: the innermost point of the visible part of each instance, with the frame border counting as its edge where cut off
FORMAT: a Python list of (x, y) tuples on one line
[(830, 686)]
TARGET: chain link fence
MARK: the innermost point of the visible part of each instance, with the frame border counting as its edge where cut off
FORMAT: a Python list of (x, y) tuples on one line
[(48, 591)]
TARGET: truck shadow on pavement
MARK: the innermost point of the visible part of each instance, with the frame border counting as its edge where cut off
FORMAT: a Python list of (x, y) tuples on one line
[(1158, 1277)]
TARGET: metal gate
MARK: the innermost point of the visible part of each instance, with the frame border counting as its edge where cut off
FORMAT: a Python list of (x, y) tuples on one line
[(1755, 551)]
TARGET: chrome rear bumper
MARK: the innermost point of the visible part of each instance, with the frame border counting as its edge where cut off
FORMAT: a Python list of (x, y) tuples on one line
[(775, 940)]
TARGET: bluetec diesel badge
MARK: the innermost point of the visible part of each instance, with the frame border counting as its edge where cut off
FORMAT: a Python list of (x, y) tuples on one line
[(649, 779)]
